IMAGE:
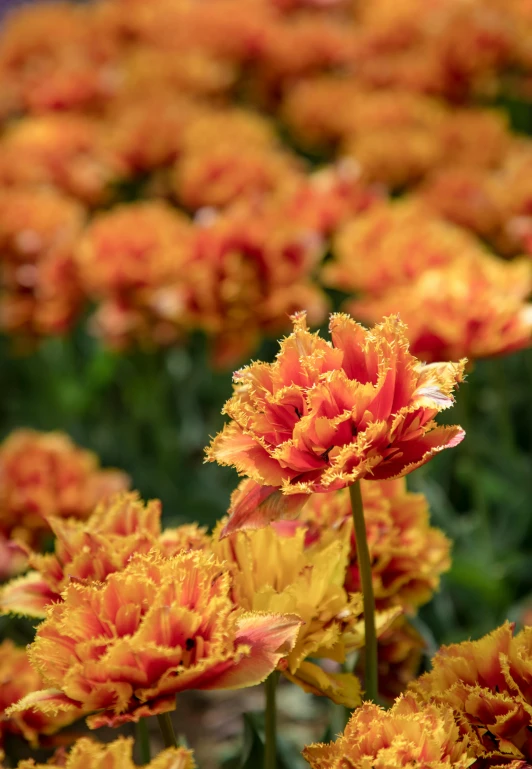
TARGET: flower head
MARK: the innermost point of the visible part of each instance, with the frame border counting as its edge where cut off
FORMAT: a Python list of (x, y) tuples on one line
[(41, 292), (467, 197), (407, 554), (477, 309), (248, 272), (132, 247), (43, 474), (53, 58), (327, 414), (274, 570), (146, 133), (62, 151), (487, 684), (88, 551), (409, 735), (125, 258), (19, 678), (322, 201), (125, 647), (227, 172), (390, 245), (88, 754)]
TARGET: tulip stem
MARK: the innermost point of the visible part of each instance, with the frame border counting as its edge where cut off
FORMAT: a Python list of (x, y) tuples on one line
[(270, 722), (143, 740), (167, 730), (366, 581)]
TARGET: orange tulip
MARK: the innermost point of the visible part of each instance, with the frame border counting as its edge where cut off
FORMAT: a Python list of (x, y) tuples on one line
[(487, 684), (409, 735), (325, 415), (124, 648), (478, 309), (392, 244)]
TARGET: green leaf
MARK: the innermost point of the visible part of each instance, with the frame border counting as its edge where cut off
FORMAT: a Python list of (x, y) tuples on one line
[(253, 749)]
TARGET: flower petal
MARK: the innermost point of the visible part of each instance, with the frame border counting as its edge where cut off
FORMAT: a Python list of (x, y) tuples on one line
[(254, 506), (269, 638), (28, 595)]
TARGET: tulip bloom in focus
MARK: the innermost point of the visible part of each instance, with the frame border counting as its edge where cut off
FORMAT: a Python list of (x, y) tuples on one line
[(126, 647), (487, 684), (408, 735), (327, 414)]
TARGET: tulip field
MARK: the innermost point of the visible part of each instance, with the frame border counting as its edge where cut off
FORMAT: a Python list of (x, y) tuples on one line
[(265, 376)]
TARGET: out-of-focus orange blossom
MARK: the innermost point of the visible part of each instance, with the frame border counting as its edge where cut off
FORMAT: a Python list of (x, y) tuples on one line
[(17, 679), (46, 474), (225, 105), (477, 309), (408, 555)]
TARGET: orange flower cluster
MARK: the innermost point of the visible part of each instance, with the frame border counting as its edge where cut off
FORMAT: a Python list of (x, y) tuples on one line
[(234, 275), (454, 50), (407, 554), (64, 152), (249, 273), (274, 569), (368, 125), (136, 103), (19, 678), (123, 648), (87, 754), (408, 735), (46, 474), (90, 550), (487, 685), (327, 414)]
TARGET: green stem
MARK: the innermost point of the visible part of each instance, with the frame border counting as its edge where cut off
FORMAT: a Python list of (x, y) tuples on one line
[(366, 581), (143, 740), (270, 722), (167, 730)]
